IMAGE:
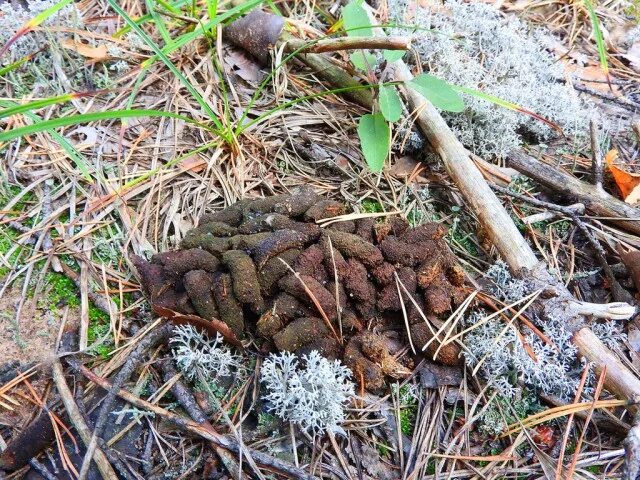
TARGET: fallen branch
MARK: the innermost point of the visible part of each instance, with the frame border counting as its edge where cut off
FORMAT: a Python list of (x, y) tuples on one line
[(204, 430), (350, 43), (595, 200), (78, 422)]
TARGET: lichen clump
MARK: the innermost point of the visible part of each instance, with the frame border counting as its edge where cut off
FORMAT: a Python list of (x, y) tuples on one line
[(311, 394), (475, 46), (266, 269)]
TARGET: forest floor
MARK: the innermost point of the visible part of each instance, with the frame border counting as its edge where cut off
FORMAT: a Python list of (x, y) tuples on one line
[(84, 188)]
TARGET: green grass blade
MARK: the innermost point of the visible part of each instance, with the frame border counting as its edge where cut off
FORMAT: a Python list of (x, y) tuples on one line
[(164, 33), (597, 33), (212, 9), (45, 14), (170, 6), (78, 159), (12, 66), (89, 117), (505, 104), (37, 104), (187, 84)]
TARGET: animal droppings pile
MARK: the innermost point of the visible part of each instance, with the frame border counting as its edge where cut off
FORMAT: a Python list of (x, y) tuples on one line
[(268, 270)]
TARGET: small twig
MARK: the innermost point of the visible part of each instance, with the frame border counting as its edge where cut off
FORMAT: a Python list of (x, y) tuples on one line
[(75, 416), (579, 208), (352, 43), (202, 430), (617, 291), (42, 470), (177, 16), (155, 337), (596, 157)]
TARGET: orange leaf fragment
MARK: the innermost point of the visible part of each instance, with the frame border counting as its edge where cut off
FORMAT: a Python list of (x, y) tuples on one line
[(627, 182), (97, 54)]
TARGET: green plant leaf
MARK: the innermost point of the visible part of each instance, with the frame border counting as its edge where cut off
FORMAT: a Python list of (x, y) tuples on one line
[(355, 20), (375, 138), (437, 92), (363, 60), (390, 104), (393, 55)]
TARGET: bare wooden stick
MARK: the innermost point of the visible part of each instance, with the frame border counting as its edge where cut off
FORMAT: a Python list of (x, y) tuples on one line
[(78, 421), (597, 201), (596, 157), (351, 43)]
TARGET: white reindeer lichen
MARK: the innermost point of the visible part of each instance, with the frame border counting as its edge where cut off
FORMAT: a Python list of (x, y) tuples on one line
[(312, 394), (200, 357), (475, 46)]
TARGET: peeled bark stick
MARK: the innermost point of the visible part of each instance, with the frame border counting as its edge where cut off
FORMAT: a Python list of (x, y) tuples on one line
[(597, 201), (351, 43)]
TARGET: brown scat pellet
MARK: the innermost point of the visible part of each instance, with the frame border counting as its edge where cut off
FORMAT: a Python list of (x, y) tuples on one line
[(324, 209), (399, 225), (254, 223), (264, 205), (269, 324), (409, 254), (328, 347), (231, 215), (215, 229), (214, 245), (199, 286), (456, 275), (357, 283), (244, 278), (364, 228), (277, 221), (364, 370), (310, 262), (352, 246), (424, 232), (280, 241), (173, 300), (414, 309), (383, 273), (229, 308), (299, 333), (288, 307), (296, 204), (275, 269), (374, 347), (388, 299), (247, 242), (448, 355), (178, 262), (458, 295), (367, 311), (429, 270), (296, 287), (350, 321), (332, 257), (393, 225), (348, 226), (437, 296), (342, 294), (152, 275)]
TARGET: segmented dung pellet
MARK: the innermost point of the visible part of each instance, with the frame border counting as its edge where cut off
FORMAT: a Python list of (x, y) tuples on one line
[(295, 285), (280, 241), (424, 232), (179, 262), (275, 269), (352, 246), (297, 203), (409, 254), (214, 245), (244, 278), (324, 209), (229, 308), (231, 215), (299, 333), (199, 286)]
